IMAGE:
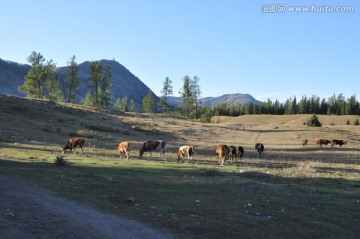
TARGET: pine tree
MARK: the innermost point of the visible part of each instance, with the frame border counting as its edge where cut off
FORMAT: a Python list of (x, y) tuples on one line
[(196, 93), (52, 82), (165, 92), (105, 84), (99, 84), (34, 84), (132, 106), (314, 121), (148, 103), (71, 80), (94, 80), (186, 94)]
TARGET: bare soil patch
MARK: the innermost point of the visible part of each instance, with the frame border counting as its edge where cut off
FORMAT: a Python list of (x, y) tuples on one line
[(29, 212)]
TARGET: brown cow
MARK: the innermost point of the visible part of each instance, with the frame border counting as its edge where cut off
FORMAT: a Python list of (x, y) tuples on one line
[(185, 150), (124, 150), (305, 142), (73, 143), (320, 142), (152, 145), (223, 151)]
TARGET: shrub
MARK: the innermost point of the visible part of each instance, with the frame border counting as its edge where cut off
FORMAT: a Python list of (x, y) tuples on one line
[(102, 128), (212, 173), (347, 122), (90, 134), (314, 121), (356, 122), (60, 161)]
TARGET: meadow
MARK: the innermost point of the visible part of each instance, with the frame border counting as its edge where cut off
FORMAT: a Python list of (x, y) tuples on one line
[(290, 191)]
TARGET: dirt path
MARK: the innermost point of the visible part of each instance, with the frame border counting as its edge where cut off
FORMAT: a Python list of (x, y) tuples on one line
[(29, 212)]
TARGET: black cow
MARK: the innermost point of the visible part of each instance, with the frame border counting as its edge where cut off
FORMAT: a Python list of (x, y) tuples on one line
[(152, 145), (337, 142), (259, 148), (240, 152), (232, 153)]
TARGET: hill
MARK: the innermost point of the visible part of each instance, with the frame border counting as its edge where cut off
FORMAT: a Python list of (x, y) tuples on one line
[(214, 101), (12, 76), (124, 83)]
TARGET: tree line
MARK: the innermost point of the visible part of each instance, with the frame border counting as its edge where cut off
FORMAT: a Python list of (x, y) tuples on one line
[(334, 105), (42, 82), (192, 107)]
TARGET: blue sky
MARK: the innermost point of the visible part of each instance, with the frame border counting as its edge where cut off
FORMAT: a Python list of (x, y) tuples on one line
[(233, 46)]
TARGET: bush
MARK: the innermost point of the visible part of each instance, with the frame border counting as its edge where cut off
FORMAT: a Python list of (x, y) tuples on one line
[(314, 121), (356, 122), (90, 134), (347, 122), (212, 173), (60, 161), (102, 128)]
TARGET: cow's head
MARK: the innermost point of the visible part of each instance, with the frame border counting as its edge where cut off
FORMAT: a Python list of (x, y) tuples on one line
[(65, 148)]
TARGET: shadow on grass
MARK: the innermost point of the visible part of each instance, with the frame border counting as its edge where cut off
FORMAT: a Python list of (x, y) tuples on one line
[(196, 202)]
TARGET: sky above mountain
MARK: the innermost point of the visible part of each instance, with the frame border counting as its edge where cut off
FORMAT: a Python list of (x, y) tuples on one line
[(259, 48)]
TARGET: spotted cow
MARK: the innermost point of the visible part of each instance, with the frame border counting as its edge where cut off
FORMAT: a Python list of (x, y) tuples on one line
[(152, 145), (185, 150), (73, 143)]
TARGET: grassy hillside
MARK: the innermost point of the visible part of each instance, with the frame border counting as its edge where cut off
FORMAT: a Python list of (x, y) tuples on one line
[(291, 190)]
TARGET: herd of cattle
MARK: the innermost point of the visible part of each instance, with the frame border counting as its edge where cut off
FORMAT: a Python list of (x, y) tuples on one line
[(223, 151), (320, 142)]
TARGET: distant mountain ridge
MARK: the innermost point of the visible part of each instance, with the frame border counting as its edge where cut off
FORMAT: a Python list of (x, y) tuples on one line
[(224, 99), (125, 83)]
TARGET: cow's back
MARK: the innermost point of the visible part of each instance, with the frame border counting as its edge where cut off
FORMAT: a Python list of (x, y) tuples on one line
[(124, 146)]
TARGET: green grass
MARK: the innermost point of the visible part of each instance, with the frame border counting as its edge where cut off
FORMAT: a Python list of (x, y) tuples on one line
[(274, 197), (290, 192)]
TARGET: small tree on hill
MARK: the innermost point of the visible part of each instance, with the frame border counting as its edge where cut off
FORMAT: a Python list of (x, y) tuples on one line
[(71, 82), (132, 106), (148, 103), (36, 80), (356, 122), (314, 121), (165, 92)]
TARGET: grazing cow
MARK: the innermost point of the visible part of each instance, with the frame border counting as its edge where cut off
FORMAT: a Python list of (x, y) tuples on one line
[(240, 152), (259, 148), (152, 145), (185, 150), (320, 142), (337, 142), (305, 142), (223, 152), (73, 143), (232, 153), (124, 150)]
